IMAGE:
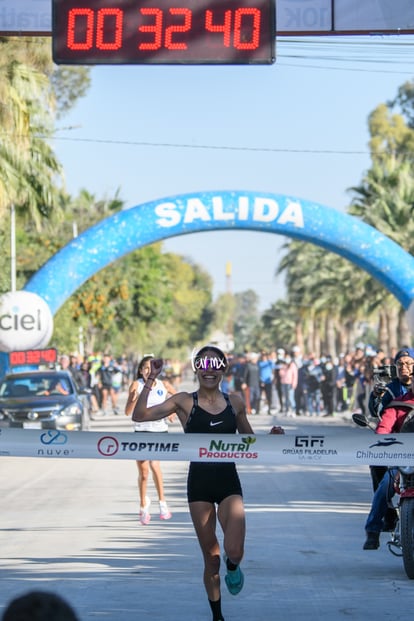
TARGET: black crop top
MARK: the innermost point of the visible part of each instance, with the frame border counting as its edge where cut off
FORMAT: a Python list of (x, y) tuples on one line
[(201, 421)]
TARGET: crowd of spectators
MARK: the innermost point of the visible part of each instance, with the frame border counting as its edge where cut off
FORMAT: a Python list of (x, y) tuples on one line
[(286, 381), (295, 383), (106, 376)]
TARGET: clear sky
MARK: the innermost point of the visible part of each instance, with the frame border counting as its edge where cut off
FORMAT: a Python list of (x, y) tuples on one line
[(297, 127)]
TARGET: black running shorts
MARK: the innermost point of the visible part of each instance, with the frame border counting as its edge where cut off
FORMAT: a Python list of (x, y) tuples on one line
[(212, 482)]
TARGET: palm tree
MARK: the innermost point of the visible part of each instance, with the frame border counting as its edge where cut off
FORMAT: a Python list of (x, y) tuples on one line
[(385, 200), (29, 170), (328, 294), (278, 326)]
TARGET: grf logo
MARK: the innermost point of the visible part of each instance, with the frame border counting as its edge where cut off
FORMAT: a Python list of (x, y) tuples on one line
[(309, 441)]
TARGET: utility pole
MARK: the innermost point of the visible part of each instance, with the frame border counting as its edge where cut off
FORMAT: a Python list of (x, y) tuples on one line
[(81, 346), (228, 277), (13, 247), (229, 291)]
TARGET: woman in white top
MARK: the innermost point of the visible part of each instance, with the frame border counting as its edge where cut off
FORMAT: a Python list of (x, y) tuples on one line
[(159, 392)]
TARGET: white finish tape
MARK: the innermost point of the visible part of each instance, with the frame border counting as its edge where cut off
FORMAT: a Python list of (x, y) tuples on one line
[(349, 447)]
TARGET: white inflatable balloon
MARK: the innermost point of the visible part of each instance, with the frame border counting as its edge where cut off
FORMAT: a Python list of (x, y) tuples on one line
[(26, 321)]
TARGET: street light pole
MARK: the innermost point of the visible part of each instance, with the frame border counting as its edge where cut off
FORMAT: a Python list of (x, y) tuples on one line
[(13, 247), (81, 346)]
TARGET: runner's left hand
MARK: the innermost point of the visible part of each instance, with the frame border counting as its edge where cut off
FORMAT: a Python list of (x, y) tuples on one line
[(156, 366)]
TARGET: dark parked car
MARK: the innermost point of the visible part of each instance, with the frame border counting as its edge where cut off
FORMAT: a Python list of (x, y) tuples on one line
[(43, 400)]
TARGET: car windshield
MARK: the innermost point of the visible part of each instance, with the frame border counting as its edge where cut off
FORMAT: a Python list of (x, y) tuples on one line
[(40, 385)]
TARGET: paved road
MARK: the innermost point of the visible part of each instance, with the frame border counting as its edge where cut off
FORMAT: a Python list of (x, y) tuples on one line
[(72, 526)]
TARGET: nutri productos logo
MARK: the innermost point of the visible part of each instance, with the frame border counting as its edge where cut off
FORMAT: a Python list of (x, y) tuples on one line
[(240, 449), (26, 321)]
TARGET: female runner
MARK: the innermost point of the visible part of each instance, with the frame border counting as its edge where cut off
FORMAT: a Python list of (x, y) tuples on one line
[(159, 392), (213, 489)]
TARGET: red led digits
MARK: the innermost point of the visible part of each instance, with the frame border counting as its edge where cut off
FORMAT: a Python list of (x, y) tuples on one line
[(48, 355), (163, 31), (244, 25), (109, 20), (170, 42), (17, 357), (155, 28), (224, 27), (241, 41), (32, 356), (80, 26)]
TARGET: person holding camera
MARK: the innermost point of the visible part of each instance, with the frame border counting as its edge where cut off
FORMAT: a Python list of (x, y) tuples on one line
[(398, 383), (396, 418), (381, 396)]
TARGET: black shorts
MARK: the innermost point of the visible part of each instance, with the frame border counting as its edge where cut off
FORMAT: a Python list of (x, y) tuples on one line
[(212, 482)]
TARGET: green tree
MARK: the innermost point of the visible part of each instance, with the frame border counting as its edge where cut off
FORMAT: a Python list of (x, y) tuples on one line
[(404, 101), (28, 168), (31, 177), (69, 84), (192, 313), (330, 298), (326, 299), (278, 325), (225, 313), (246, 320), (384, 200), (390, 135), (134, 303)]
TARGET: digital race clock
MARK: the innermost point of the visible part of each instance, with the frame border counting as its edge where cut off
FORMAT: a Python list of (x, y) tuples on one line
[(92, 32), (33, 356)]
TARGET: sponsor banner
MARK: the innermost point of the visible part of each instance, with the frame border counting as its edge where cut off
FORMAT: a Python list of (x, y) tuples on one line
[(349, 448)]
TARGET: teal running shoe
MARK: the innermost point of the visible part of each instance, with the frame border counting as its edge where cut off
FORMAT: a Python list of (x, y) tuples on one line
[(234, 580)]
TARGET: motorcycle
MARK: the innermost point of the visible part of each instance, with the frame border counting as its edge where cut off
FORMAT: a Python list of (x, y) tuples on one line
[(402, 537)]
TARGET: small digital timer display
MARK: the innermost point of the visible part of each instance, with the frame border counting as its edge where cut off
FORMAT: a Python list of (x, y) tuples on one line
[(32, 356), (92, 32)]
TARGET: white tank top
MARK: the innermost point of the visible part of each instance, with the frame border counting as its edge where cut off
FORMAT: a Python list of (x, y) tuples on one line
[(157, 395)]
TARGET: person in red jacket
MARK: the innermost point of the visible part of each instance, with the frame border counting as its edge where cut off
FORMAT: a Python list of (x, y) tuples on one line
[(395, 418)]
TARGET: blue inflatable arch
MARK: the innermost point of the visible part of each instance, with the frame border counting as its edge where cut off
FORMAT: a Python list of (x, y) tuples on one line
[(293, 217)]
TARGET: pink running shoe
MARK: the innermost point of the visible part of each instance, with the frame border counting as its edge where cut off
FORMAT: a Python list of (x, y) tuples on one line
[(145, 516), (164, 511)]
